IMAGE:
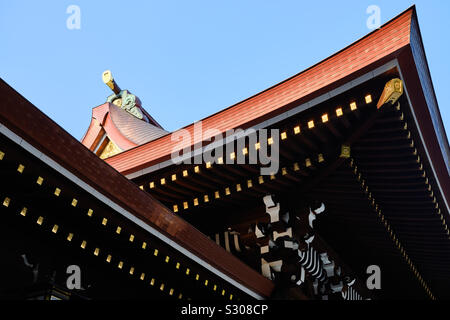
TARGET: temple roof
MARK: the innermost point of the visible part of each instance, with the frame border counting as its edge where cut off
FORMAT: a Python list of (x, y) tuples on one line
[(367, 53), (134, 129), (408, 187), (41, 136), (398, 42), (388, 188), (121, 127)]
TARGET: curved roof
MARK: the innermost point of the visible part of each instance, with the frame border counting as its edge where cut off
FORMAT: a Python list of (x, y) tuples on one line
[(125, 130), (49, 143), (134, 129), (364, 55)]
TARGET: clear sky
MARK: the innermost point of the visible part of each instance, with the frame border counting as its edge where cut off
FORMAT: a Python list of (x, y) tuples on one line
[(188, 59)]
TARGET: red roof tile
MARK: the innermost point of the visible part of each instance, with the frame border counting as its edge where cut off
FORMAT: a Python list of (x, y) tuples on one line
[(121, 127), (380, 44), (134, 129)]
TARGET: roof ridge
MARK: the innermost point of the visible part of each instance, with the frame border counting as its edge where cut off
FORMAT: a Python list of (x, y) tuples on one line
[(312, 80)]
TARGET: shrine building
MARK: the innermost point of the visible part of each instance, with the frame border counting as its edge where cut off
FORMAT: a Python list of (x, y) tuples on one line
[(355, 205)]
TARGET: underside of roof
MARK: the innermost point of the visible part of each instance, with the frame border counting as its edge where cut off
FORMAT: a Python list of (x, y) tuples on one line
[(397, 41), (29, 129), (387, 199), (383, 173), (384, 204)]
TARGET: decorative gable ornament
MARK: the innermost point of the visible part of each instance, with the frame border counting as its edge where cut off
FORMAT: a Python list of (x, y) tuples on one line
[(122, 98)]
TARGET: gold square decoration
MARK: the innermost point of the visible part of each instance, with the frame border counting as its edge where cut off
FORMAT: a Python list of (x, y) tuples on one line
[(345, 151), (40, 180), (20, 168)]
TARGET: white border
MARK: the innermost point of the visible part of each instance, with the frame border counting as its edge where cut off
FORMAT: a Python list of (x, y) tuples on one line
[(41, 156)]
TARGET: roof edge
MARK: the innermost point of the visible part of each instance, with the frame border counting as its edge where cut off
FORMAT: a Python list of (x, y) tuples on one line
[(338, 60), (69, 154), (419, 54)]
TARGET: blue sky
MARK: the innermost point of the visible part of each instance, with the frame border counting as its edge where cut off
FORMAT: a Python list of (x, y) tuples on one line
[(188, 59)]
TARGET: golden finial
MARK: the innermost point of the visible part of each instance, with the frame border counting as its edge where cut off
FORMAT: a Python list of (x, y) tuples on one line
[(109, 81)]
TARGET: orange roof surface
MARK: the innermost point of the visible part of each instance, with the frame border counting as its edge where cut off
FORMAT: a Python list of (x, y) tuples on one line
[(124, 129), (380, 45)]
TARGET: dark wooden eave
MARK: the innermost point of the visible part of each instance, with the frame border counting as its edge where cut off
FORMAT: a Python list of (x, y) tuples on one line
[(387, 149), (35, 128)]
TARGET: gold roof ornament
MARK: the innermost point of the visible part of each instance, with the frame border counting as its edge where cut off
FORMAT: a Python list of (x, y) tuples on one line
[(122, 98), (391, 92), (345, 151), (109, 81)]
